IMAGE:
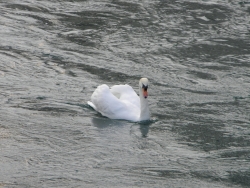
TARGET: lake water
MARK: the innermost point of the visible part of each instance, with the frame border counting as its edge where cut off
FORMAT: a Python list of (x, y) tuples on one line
[(196, 55)]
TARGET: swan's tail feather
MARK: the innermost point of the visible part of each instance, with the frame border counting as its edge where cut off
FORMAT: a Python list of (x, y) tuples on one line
[(91, 104)]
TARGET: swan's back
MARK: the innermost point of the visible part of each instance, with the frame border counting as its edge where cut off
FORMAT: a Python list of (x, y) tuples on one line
[(126, 93), (119, 102)]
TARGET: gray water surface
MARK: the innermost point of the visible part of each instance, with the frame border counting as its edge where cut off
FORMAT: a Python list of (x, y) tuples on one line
[(196, 55)]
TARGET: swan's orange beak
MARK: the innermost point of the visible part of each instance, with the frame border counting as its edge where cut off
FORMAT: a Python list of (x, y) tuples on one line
[(145, 93)]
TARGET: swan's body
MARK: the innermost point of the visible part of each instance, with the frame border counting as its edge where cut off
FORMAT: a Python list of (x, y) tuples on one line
[(121, 101)]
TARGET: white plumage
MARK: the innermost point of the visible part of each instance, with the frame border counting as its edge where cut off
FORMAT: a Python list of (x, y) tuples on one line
[(121, 101)]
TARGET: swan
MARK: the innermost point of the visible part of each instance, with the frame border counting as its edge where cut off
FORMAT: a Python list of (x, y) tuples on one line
[(122, 102)]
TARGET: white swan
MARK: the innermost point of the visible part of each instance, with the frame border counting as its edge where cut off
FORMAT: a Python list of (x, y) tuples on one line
[(121, 101)]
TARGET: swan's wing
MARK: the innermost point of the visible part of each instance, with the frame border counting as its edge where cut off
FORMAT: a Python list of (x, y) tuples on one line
[(126, 94), (110, 106)]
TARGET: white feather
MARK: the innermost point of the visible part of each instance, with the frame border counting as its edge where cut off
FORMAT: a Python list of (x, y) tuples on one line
[(117, 102)]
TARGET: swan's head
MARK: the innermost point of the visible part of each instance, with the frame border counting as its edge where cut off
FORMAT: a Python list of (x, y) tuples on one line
[(143, 83)]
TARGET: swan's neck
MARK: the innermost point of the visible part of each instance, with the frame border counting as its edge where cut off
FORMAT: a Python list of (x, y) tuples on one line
[(145, 114)]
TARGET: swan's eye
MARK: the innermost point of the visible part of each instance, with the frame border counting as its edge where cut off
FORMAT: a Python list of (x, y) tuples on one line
[(144, 87)]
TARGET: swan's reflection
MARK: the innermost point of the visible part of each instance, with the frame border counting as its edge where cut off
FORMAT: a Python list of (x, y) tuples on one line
[(103, 122), (144, 127)]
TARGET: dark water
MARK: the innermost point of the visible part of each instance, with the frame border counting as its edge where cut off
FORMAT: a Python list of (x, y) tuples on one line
[(196, 55)]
